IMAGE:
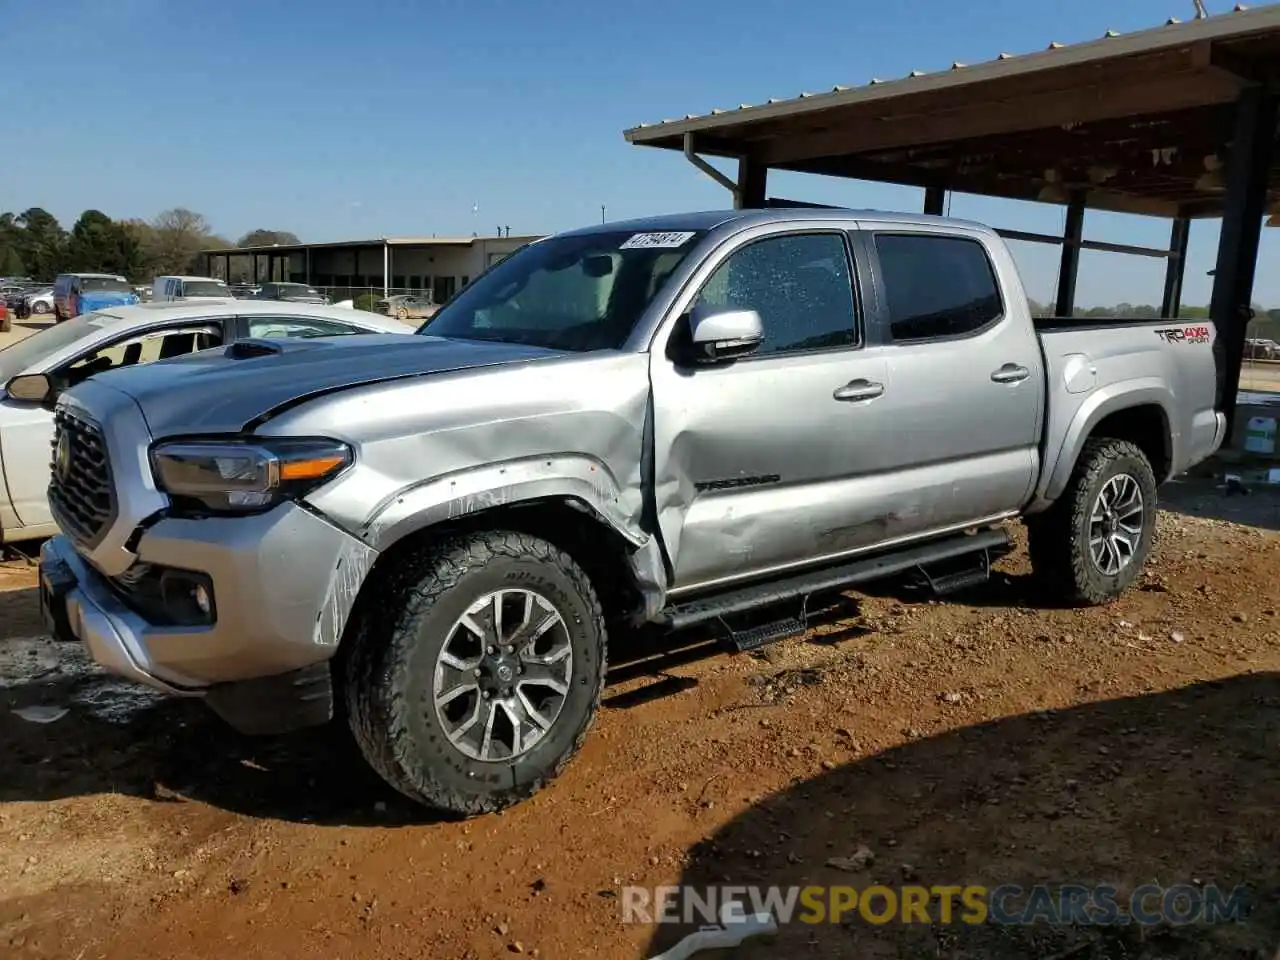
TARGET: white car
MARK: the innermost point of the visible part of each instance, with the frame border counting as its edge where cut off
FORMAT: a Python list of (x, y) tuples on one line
[(70, 352)]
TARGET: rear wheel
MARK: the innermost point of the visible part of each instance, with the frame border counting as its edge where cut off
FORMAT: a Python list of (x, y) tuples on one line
[(475, 680), (40, 308), (1092, 544)]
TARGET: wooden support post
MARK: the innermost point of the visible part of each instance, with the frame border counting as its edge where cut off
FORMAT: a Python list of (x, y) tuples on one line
[(1175, 267), (1248, 166), (1069, 268), (935, 199), (752, 183)]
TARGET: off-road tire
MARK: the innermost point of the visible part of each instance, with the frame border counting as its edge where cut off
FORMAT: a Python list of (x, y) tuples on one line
[(390, 670), (1059, 538)]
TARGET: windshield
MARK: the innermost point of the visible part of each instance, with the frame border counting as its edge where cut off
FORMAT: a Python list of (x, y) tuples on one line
[(29, 351), (104, 285), (203, 288), (578, 293)]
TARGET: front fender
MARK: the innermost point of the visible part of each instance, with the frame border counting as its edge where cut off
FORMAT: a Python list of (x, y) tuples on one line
[(1060, 458), (453, 496)]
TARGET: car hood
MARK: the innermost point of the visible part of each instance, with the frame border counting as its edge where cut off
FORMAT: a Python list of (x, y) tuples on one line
[(228, 390)]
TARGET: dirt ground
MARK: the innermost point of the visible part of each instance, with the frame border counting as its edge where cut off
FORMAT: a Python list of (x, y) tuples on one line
[(981, 739)]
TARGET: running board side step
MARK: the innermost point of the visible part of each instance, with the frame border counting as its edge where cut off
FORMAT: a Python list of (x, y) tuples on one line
[(985, 545)]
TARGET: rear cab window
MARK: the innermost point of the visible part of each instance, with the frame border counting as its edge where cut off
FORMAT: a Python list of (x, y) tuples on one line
[(936, 286)]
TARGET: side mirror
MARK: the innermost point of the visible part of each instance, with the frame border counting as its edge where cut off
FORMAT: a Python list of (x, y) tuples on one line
[(719, 334), (31, 388)]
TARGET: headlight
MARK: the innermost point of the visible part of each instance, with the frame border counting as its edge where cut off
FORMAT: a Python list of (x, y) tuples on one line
[(245, 476)]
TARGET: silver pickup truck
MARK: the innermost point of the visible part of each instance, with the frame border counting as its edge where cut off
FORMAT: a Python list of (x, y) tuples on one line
[(669, 421)]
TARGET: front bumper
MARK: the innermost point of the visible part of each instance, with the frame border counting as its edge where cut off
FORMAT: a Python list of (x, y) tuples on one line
[(283, 585)]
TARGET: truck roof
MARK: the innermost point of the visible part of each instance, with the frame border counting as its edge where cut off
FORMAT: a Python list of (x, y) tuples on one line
[(710, 219)]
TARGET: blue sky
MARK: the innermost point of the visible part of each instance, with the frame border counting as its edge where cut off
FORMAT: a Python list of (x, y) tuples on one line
[(336, 119)]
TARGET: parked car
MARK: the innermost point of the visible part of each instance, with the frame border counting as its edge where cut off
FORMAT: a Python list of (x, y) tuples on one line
[(1259, 349), (670, 421), (6, 318), (69, 353), (243, 291), (291, 292), (35, 302), (77, 293), (168, 289), (407, 306)]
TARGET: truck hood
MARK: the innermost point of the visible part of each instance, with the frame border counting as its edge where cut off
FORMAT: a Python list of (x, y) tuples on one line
[(229, 389)]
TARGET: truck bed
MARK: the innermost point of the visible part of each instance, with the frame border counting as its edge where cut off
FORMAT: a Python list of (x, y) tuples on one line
[(1170, 366)]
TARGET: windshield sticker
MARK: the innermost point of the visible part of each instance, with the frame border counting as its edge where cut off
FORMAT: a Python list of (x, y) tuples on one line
[(657, 241)]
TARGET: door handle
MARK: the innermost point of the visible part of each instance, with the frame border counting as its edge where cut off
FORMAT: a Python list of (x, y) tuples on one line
[(859, 390), (1010, 373)]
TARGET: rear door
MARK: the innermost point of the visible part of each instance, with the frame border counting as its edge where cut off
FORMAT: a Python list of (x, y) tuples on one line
[(965, 383)]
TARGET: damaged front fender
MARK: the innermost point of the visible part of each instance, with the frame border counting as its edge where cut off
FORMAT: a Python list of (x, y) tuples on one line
[(576, 480)]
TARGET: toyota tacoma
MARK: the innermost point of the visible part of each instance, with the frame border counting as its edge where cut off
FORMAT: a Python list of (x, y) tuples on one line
[(669, 421)]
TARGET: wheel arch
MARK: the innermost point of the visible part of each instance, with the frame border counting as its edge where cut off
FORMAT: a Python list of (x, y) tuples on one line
[(1139, 416), (626, 576)]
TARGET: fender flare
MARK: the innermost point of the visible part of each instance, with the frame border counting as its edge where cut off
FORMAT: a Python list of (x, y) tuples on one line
[(574, 477), (1116, 398)]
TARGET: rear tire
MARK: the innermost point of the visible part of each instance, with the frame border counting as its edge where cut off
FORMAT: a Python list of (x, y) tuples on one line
[(435, 697), (39, 308), (1091, 545)]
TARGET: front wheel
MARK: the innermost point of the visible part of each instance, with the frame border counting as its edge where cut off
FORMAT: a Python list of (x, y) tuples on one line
[(39, 308), (474, 683), (1092, 544)]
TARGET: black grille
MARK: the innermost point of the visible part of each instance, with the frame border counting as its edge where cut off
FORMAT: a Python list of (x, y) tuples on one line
[(80, 490)]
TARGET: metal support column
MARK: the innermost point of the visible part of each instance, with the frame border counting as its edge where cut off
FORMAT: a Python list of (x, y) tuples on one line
[(1069, 269), (386, 269), (1175, 268), (1248, 167), (255, 279), (753, 179), (935, 201), (308, 268)]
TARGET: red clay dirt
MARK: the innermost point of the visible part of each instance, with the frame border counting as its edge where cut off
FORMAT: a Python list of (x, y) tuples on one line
[(982, 739)]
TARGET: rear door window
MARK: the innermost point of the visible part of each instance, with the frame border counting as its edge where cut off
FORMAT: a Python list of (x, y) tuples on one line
[(937, 286), (147, 347)]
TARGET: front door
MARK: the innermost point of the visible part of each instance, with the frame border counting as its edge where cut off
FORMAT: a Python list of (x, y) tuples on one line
[(772, 461)]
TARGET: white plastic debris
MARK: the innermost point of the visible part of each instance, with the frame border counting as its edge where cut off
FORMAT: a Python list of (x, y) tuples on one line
[(735, 927), (41, 714)]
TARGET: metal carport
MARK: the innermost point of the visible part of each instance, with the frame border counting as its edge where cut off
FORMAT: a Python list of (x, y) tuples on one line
[(1177, 121)]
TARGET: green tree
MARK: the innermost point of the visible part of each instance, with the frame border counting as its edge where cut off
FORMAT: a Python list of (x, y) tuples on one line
[(41, 243), (102, 245), (266, 238), (10, 259)]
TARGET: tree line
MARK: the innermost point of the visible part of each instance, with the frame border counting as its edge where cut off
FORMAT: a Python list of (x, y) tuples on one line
[(34, 244)]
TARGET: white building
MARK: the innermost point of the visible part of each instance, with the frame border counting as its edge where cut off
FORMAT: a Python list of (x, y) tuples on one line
[(442, 265)]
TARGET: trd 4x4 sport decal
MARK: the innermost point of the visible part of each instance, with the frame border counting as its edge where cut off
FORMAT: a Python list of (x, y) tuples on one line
[(1184, 334)]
